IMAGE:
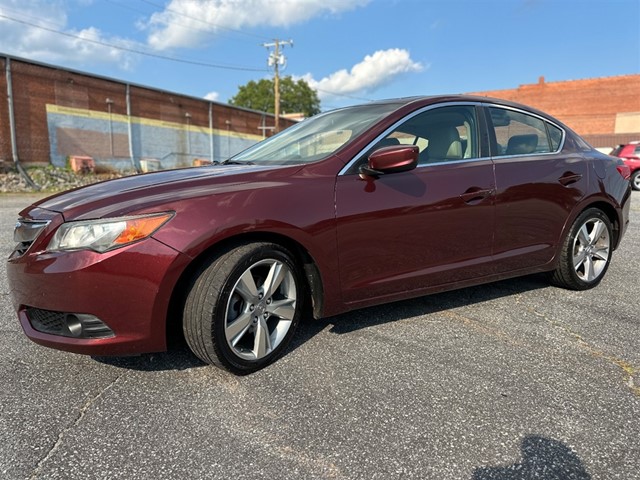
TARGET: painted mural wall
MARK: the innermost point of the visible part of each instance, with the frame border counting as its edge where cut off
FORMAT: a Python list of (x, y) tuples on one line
[(127, 143)]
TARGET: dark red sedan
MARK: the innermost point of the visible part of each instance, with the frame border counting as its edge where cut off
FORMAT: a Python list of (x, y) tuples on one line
[(354, 207)]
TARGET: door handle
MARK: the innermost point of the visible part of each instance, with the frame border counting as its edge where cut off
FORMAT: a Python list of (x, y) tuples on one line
[(474, 195), (569, 177)]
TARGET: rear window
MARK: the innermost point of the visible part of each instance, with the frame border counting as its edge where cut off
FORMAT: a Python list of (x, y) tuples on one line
[(555, 136)]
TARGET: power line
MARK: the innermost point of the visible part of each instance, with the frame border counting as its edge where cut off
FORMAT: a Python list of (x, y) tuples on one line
[(128, 7), (26, 15), (277, 59), (133, 50), (170, 58), (176, 12), (344, 95), (183, 25)]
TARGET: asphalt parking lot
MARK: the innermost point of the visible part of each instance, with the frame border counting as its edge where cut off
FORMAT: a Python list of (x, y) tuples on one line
[(513, 380)]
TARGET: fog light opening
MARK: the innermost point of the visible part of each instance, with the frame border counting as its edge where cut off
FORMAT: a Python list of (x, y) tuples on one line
[(74, 325)]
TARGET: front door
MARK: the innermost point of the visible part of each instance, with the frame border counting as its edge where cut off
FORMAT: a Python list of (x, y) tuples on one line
[(431, 226)]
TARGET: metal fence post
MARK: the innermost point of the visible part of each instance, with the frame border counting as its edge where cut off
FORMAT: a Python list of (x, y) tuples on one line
[(211, 131), (130, 130), (12, 128)]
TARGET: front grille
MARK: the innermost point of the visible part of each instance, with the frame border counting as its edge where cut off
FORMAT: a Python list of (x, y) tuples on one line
[(74, 325), (20, 249)]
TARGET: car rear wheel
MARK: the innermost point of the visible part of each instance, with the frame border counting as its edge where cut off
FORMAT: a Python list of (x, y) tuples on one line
[(243, 307), (635, 180), (586, 252)]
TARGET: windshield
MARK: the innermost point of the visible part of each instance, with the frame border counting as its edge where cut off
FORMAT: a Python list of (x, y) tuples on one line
[(315, 138)]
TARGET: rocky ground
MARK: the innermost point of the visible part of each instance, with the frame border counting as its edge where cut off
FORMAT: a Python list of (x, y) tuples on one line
[(49, 179)]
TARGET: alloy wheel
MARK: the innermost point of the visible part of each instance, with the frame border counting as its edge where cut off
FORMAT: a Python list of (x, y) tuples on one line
[(591, 249), (260, 309)]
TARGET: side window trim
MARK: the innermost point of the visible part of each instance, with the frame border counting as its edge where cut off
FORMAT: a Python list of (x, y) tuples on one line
[(489, 132)]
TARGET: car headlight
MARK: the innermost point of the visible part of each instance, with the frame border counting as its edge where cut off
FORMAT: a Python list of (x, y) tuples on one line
[(106, 234)]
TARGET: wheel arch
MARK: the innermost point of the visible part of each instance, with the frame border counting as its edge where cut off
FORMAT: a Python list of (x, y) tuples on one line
[(312, 279), (611, 214)]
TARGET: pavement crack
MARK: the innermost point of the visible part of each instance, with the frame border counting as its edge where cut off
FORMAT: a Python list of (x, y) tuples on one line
[(61, 436), (628, 370)]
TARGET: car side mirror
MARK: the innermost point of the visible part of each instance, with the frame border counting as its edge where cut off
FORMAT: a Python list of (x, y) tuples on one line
[(392, 159)]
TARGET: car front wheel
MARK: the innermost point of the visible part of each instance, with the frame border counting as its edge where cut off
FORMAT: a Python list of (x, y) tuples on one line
[(243, 307), (586, 252)]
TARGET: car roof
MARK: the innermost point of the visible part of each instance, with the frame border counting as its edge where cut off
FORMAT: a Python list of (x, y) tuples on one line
[(419, 101)]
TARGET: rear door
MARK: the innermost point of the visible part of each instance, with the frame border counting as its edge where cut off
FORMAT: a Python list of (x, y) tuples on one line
[(537, 186)]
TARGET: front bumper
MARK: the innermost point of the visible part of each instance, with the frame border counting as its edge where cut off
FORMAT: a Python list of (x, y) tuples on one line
[(127, 289)]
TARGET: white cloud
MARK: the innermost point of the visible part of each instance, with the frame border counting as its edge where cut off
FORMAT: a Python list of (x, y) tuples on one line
[(373, 72), (25, 33), (213, 96), (186, 23)]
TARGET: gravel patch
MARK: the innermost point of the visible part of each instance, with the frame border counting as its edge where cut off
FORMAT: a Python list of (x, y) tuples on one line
[(50, 179)]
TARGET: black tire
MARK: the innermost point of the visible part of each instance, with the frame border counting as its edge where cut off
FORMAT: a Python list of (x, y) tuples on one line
[(233, 296), (586, 252), (635, 180)]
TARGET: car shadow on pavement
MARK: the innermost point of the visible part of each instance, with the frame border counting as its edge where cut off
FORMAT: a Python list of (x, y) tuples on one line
[(425, 305), (179, 357), (541, 458)]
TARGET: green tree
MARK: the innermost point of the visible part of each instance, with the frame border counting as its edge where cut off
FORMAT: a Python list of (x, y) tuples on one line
[(295, 97)]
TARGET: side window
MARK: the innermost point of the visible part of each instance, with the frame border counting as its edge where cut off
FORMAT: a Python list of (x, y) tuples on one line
[(442, 134), (517, 133)]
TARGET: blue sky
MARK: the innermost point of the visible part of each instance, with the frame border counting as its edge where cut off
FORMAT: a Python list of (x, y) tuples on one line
[(349, 50)]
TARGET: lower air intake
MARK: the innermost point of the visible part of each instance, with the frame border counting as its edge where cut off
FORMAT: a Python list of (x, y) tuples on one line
[(74, 325)]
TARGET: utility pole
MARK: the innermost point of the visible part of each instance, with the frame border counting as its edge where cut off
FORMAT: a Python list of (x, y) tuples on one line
[(277, 59)]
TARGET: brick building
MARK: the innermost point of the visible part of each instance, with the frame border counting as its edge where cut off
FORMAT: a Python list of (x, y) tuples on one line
[(60, 113), (605, 111)]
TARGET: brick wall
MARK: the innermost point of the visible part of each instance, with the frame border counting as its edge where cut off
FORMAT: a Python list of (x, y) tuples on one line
[(35, 86), (590, 107)]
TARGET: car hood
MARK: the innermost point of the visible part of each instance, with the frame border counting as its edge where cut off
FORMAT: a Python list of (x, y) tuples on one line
[(140, 193)]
